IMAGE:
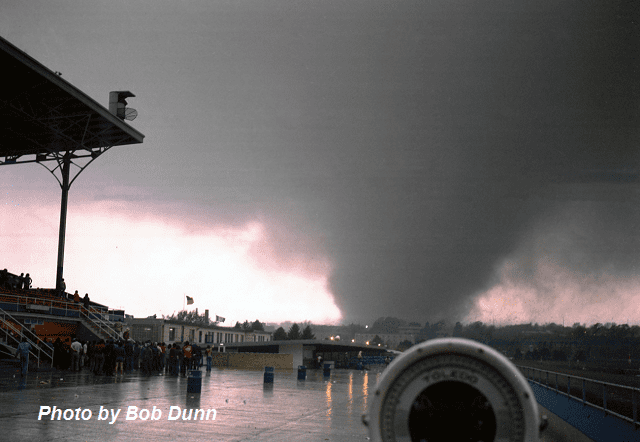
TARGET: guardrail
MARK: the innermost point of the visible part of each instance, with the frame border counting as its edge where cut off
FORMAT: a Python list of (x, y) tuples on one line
[(58, 307), (102, 325), (616, 400), (38, 345)]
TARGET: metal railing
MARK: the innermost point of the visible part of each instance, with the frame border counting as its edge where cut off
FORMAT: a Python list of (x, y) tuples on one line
[(57, 307), (94, 317), (61, 307), (39, 347), (616, 400)]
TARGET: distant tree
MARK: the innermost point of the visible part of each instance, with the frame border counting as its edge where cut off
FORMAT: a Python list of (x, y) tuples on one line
[(579, 355), (191, 317), (307, 333), (250, 326), (294, 332), (387, 325), (376, 340), (457, 330), (404, 345), (279, 334)]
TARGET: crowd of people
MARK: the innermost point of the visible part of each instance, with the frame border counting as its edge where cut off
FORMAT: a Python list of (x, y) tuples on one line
[(114, 357), (10, 281)]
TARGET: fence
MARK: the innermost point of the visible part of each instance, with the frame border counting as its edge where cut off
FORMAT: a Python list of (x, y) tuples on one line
[(100, 319), (612, 399)]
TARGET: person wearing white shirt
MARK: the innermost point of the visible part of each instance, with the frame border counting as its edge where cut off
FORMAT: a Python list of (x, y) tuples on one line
[(76, 351)]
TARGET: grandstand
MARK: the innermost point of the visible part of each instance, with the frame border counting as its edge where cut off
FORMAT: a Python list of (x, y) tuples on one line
[(46, 120)]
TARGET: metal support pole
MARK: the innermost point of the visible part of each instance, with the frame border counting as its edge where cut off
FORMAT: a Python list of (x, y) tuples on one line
[(66, 163)]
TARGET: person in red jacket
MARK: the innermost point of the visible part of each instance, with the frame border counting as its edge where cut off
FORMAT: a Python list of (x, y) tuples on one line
[(186, 352)]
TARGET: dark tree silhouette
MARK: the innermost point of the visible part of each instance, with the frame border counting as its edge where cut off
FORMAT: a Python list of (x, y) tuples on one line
[(280, 334), (294, 332), (307, 333)]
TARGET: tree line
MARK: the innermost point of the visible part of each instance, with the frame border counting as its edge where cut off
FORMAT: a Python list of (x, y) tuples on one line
[(294, 333)]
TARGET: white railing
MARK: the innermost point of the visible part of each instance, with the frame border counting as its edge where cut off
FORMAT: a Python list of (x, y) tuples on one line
[(38, 346), (607, 395), (98, 321), (62, 307)]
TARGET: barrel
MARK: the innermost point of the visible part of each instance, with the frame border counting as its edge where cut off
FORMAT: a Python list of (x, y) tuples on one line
[(268, 375), (302, 372), (194, 381)]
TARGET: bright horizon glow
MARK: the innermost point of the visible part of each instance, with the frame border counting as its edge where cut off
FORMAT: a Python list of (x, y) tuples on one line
[(147, 265), (559, 296)]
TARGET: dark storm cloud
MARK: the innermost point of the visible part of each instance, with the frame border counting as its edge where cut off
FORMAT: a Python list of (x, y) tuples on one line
[(447, 129), (414, 146)]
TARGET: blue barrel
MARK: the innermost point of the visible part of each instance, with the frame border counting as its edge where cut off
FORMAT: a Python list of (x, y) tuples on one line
[(327, 370), (268, 375), (194, 381), (302, 372)]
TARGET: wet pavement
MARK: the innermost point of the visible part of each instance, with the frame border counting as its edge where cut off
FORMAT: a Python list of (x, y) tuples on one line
[(236, 406), (289, 410)]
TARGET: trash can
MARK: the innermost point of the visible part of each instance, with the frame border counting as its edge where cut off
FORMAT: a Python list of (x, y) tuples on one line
[(268, 375), (327, 370), (194, 381), (302, 372)]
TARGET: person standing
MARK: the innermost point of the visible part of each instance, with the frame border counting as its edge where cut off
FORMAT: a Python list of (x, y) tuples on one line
[(174, 359), (23, 350), (120, 355), (76, 352), (26, 282), (186, 352), (85, 300), (209, 352), (163, 356), (63, 289), (99, 352), (128, 356), (83, 359)]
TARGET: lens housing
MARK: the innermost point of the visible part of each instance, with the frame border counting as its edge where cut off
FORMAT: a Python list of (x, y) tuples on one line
[(452, 389)]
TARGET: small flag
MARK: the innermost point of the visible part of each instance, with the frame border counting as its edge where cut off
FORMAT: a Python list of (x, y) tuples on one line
[(189, 300), (219, 318)]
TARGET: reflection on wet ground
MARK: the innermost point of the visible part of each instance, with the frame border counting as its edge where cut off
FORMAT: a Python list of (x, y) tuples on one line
[(234, 405), (158, 408)]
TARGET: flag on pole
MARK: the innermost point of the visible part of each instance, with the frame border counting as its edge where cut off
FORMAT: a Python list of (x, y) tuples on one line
[(219, 318), (189, 300)]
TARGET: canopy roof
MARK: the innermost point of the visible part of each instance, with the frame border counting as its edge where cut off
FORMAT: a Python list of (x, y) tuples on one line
[(42, 115)]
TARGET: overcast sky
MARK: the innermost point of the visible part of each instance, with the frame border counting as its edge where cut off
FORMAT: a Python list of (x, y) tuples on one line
[(340, 161)]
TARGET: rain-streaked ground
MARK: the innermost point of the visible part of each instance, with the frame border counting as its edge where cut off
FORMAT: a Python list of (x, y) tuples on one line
[(317, 409)]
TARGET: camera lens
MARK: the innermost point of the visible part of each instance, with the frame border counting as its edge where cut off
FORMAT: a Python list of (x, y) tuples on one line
[(451, 411), (452, 390)]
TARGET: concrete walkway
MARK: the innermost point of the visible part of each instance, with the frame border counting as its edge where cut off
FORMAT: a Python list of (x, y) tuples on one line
[(245, 410), (157, 408)]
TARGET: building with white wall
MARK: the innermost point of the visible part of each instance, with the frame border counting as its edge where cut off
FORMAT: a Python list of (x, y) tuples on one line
[(170, 331)]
